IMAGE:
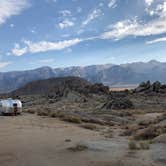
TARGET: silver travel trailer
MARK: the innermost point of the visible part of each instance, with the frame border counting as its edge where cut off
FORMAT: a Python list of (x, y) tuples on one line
[(10, 106)]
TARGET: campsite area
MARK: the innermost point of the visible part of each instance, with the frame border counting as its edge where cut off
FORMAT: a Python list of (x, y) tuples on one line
[(39, 141)]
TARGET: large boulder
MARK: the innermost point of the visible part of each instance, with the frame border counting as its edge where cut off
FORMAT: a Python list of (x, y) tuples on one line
[(160, 139), (147, 87), (143, 86), (156, 86)]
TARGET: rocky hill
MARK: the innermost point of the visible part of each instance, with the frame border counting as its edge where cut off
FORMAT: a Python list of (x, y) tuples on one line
[(60, 86)]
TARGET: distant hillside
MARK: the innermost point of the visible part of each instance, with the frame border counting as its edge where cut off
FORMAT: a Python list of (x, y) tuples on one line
[(110, 74)]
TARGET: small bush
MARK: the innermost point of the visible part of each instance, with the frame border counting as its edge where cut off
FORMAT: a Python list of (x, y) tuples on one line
[(144, 145), (43, 111), (72, 119), (57, 115), (67, 140), (89, 126), (31, 111), (133, 145), (78, 147)]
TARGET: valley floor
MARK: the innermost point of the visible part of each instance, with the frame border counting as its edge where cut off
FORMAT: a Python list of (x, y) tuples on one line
[(31, 140)]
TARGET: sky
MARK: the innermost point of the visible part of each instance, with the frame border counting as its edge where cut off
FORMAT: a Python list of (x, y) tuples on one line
[(63, 33)]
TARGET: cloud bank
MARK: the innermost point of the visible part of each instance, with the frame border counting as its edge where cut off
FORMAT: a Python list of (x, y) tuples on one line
[(43, 46), (10, 8)]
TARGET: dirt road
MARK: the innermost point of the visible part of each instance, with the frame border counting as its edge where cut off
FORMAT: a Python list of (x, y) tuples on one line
[(29, 140)]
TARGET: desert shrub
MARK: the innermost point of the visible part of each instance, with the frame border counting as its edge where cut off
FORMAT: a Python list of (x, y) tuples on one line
[(45, 111), (31, 111), (78, 147), (130, 130), (57, 115), (118, 103), (150, 132), (144, 145), (93, 120), (133, 145), (42, 113), (90, 126), (67, 140), (72, 119)]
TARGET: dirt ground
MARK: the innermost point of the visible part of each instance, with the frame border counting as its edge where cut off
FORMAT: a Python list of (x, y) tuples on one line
[(30, 140)]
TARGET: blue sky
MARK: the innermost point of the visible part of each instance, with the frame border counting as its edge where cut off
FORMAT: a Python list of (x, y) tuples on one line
[(61, 33)]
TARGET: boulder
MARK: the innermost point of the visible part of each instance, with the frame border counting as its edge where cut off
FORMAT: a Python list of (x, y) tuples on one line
[(156, 86), (160, 139)]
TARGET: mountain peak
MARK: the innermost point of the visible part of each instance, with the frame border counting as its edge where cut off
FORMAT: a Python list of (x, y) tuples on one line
[(153, 61)]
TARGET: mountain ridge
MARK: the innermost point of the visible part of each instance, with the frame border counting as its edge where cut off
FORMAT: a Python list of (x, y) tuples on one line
[(108, 74)]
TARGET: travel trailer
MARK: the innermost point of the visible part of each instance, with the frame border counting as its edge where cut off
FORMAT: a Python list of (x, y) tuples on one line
[(10, 106)]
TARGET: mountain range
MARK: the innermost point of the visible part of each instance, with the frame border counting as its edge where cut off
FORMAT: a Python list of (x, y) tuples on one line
[(129, 74)]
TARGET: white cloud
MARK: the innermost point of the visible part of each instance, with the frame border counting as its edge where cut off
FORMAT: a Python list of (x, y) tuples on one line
[(18, 51), (160, 8), (149, 2), (162, 39), (9, 8), (112, 4), (136, 28), (4, 64), (43, 46), (65, 24), (65, 13), (93, 15)]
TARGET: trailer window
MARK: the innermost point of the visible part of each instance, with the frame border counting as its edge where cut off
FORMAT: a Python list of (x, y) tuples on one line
[(15, 104)]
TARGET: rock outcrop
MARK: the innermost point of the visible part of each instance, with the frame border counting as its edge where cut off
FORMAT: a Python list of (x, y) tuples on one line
[(148, 87), (118, 103)]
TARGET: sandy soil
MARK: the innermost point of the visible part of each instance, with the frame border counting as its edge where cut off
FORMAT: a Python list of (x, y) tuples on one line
[(29, 140)]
